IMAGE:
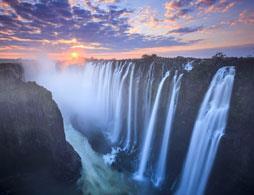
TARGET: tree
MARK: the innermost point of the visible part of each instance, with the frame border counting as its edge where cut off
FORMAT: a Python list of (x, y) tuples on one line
[(145, 56), (219, 55)]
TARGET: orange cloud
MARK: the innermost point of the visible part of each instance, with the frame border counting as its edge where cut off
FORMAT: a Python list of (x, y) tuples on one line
[(223, 6), (246, 17), (146, 22)]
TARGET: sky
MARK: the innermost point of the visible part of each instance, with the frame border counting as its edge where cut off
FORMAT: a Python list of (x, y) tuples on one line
[(66, 29)]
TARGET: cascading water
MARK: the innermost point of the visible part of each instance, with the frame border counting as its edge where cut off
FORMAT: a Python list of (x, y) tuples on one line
[(208, 130), (125, 117), (136, 101), (148, 96), (161, 164), (134, 106), (149, 134), (128, 121), (130, 111), (118, 110)]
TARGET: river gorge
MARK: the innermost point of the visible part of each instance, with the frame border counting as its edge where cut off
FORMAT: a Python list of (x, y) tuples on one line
[(156, 125)]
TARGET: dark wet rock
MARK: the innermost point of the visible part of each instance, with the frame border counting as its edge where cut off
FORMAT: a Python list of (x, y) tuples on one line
[(94, 135), (233, 170), (35, 157)]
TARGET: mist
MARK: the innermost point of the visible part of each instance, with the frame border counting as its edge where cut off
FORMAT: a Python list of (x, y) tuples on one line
[(70, 86), (72, 89)]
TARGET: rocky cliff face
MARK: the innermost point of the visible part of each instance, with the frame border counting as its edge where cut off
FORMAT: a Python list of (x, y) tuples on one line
[(233, 169), (35, 157)]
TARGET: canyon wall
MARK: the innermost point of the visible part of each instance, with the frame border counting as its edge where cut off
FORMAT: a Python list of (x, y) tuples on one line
[(35, 157)]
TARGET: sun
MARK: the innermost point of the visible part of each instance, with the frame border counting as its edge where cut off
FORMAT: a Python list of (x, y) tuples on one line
[(74, 55)]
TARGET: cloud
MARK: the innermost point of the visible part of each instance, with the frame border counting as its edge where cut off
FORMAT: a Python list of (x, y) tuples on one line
[(89, 25), (33, 23), (222, 6), (185, 30), (108, 1), (178, 9), (246, 17), (186, 9)]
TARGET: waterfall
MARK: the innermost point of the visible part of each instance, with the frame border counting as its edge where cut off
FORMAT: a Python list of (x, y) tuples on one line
[(148, 95), (208, 130), (118, 111), (161, 164), (128, 100), (136, 109), (133, 105), (130, 112), (149, 134), (103, 95)]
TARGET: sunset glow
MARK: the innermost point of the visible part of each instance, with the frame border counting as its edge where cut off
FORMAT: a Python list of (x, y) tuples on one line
[(74, 55), (125, 29), (135, 97)]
